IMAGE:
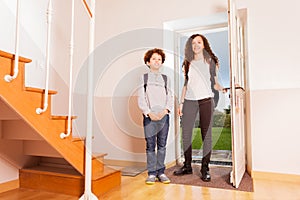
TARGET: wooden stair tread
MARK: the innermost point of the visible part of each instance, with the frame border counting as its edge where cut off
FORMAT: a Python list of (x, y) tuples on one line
[(12, 56), (39, 90), (78, 139), (61, 117), (57, 171), (109, 170), (65, 172), (99, 155), (40, 178), (106, 172)]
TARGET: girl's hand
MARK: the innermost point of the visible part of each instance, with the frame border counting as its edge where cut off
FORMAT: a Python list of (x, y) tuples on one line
[(180, 109), (218, 87)]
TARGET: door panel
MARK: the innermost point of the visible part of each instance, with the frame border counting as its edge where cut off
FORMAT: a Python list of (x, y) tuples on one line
[(237, 90)]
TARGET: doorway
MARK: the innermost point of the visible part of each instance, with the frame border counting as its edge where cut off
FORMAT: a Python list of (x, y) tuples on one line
[(218, 39), (212, 26)]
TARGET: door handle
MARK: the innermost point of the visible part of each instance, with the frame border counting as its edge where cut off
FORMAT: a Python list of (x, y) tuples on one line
[(236, 87)]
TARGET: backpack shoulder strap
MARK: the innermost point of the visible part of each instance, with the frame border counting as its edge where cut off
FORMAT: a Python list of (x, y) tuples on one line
[(166, 81), (145, 81)]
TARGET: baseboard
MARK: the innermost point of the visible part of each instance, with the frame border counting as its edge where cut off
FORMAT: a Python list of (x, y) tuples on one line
[(10, 185), (123, 163), (132, 163), (249, 170), (276, 176)]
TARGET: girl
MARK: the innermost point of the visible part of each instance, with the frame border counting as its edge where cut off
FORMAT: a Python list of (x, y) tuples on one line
[(201, 83)]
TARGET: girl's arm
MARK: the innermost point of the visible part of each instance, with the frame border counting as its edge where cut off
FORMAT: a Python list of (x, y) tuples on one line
[(181, 100), (217, 85)]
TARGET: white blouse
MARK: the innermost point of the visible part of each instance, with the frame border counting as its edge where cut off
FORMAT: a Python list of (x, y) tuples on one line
[(199, 84)]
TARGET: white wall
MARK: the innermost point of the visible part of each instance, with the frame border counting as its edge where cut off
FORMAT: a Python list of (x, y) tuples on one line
[(32, 35), (275, 130), (273, 44), (273, 39), (8, 171)]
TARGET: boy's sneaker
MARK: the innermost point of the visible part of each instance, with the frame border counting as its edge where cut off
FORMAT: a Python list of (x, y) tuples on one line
[(164, 179), (150, 180)]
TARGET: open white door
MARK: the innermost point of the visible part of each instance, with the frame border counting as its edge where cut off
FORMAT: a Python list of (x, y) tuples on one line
[(236, 43)]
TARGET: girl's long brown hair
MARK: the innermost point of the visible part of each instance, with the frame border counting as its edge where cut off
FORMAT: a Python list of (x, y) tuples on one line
[(209, 56)]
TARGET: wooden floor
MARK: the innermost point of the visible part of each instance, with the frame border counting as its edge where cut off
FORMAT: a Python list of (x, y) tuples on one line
[(135, 188)]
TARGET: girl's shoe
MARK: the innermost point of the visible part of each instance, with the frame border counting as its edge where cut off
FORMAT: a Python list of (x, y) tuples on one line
[(183, 170)]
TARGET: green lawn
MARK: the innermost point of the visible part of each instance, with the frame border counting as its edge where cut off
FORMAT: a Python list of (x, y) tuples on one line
[(221, 138)]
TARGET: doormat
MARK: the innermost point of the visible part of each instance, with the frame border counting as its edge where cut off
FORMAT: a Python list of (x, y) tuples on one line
[(132, 170), (213, 162), (220, 178)]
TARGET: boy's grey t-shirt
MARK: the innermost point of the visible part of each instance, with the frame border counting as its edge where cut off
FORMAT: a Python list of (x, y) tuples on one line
[(155, 99)]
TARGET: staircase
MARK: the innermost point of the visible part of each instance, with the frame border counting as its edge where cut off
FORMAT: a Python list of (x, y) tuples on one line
[(47, 161)]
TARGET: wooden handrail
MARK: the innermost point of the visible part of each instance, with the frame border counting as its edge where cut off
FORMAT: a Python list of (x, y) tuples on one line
[(88, 8), (12, 56), (30, 89)]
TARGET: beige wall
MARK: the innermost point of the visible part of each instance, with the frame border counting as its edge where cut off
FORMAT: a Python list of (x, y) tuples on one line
[(274, 84), (275, 130), (8, 172), (11, 172)]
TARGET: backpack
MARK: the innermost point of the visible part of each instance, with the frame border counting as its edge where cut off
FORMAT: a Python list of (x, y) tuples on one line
[(216, 96), (216, 92), (146, 81)]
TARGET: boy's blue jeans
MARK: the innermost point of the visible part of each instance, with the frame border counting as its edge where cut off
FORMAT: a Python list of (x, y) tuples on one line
[(156, 132)]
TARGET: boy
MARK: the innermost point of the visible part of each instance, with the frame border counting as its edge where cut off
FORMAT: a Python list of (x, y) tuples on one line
[(155, 101)]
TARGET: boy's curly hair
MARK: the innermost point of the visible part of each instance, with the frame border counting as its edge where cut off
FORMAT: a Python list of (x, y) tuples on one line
[(149, 53)]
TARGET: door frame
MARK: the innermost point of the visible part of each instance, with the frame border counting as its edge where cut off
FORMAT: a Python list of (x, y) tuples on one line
[(204, 22)]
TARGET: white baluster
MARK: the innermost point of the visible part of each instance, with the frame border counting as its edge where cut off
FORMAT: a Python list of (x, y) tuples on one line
[(49, 21), (90, 105), (9, 78), (64, 135)]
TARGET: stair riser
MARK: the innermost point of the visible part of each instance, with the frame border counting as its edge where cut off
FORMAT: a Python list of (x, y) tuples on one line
[(68, 185), (107, 183), (63, 185)]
